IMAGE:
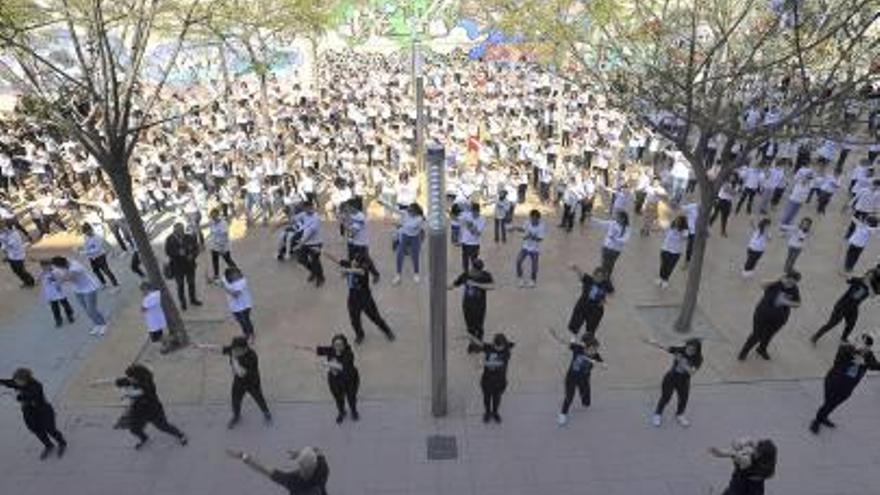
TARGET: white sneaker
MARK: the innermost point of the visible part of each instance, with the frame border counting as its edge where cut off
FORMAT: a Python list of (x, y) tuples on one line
[(561, 419), (395, 280), (101, 330), (683, 421), (747, 274), (531, 284), (658, 282), (657, 420), (94, 330), (664, 284), (416, 278), (521, 283)]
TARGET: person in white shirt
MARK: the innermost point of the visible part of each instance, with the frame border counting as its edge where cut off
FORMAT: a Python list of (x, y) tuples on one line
[(53, 293), (410, 232), (218, 232), (239, 300), (85, 287), (472, 226), (254, 193), (724, 203), (571, 197), (94, 249), (829, 185), (503, 211), (751, 179), (310, 243), (858, 240), (407, 191), (616, 234), (154, 315), (757, 244), (796, 238), (14, 247), (534, 231), (799, 192), (673, 245)]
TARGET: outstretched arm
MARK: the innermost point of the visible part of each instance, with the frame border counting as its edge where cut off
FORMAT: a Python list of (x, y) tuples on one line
[(250, 462), (653, 343)]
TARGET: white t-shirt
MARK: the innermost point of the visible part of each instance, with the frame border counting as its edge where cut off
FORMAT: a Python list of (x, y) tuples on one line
[(411, 225), (154, 316), (534, 234), (82, 280), (469, 238), (13, 244), (675, 241), (219, 236), (758, 241), (238, 295)]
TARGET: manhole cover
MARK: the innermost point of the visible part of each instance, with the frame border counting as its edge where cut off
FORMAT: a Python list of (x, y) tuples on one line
[(442, 448)]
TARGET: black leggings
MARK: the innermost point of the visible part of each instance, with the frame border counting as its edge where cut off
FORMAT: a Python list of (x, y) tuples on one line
[(585, 313), (680, 383), (56, 310), (344, 388), (41, 422), (667, 264), (492, 389), (364, 303), (581, 384), (849, 313), (747, 196), (252, 387), (765, 325), (215, 261), (100, 268), (752, 258), (469, 252), (723, 207), (160, 422), (837, 391), (474, 317), (18, 268), (853, 253)]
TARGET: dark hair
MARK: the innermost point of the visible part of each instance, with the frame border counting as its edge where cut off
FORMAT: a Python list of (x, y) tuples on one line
[(623, 219), (794, 275), (679, 223), (500, 340), (868, 340), (240, 342), (697, 359), (588, 340), (343, 338), (764, 459), (535, 213), (477, 263), (60, 261), (23, 374), (763, 224), (475, 207), (415, 208)]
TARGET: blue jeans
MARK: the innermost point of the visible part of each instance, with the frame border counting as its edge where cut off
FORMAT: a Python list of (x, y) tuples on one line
[(412, 245), (250, 201), (523, 254), (790, 211), (89, 302)]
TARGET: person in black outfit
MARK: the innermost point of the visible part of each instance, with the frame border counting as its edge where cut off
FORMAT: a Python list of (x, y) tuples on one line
[(182, 250), (590, 307), (494, 379), (246, 378), (342, 375), (309, 477), (687, 359), (754, 462), (847, 307), (772, 313), (584, 356), (145, 407), (850, 366), (38, 414), (476, 282), (360, 299)]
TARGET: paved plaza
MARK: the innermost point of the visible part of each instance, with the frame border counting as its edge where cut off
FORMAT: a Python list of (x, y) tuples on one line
[(608, 449)]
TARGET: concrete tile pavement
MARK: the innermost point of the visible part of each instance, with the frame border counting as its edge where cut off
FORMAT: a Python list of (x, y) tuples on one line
[(609, 448)]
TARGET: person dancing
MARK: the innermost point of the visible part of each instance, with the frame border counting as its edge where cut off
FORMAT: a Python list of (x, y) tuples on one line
[(38, 414)]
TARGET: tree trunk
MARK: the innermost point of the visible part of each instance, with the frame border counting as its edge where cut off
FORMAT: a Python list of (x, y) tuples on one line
[(121, 180), (695, 268)]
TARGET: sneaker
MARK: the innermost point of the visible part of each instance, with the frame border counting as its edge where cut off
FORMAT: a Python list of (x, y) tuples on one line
[(658, 282), (827, 422), (561, 419), (814, 427), (395, 280), (94, 330), (359, 339), (416, 278), (101, 330), (340, 417), (355, 416), (486, 417), (390, 336), (61, 449), (747, 273), (656, 420), (763, 354), (140, 444), (521, 284), (46, 451), (115, 289), (183, 440), (267, 418), (232, 422), (496, 417), (531, 284), (197, 303), (683, 421)]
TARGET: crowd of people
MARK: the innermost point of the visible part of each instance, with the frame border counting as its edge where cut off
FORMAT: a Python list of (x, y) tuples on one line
[(517, 139)]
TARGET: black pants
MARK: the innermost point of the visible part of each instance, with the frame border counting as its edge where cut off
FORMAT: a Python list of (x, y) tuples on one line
[(344, 388), (586, 209), (120, 233), (752, 258), (185, 278), (573, 382), (822, 203), (848, 313), (364, 303), (159, 421), (501, 229), (722, 206), (585, 313), (18, 268), (41, 422), (243, 318), (567, 217), (249, 386), (136, 264), (765, 325), (852, 257), (310, 257), (640, 201), (493, 388), (354, 249), (469, 252), (667, 264), (837, 391), (56, 310), (609, 259), (474, 317), (215, 261), (680, 383), (747, 197), (101, 268)]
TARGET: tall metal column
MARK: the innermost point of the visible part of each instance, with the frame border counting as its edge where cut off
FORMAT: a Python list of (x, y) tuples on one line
[(419, 82), (436, 175)]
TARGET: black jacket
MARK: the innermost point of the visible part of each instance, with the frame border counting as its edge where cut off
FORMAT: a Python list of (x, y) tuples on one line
[(182, 251)]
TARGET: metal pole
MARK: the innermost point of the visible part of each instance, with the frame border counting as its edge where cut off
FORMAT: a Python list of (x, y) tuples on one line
[(436, 160), (420, 104)]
